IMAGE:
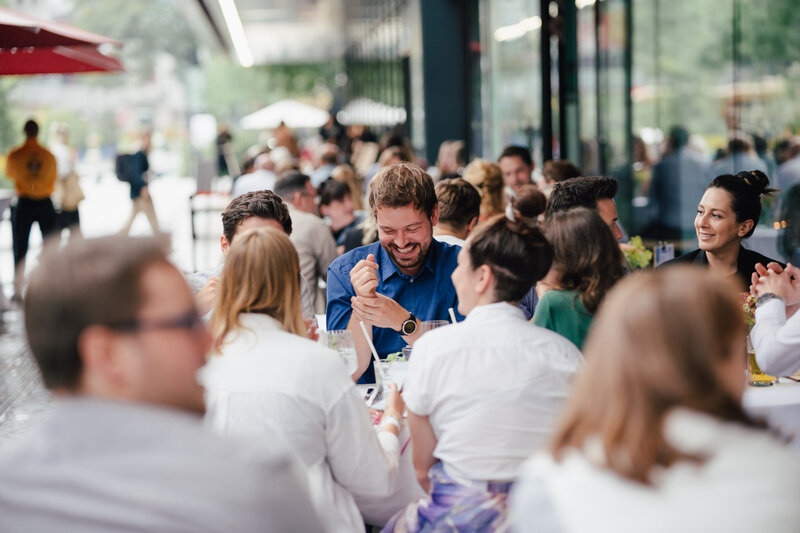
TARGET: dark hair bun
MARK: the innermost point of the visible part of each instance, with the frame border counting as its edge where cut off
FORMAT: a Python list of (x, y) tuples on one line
[(757, 181), (529, 201)]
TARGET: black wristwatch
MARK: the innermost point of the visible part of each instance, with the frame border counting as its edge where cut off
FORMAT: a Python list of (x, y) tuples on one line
[(764, 298), (409, 326)]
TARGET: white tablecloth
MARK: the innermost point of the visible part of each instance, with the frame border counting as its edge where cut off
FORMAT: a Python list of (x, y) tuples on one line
[(779, 405)]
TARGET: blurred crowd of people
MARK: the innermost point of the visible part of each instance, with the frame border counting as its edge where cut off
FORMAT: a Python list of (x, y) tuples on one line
[(565, 392)]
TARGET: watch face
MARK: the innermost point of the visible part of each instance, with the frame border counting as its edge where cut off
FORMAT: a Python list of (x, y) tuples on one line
[(409, 327)]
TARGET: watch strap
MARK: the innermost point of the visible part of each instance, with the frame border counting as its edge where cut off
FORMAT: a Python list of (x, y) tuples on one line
[(766, 297)]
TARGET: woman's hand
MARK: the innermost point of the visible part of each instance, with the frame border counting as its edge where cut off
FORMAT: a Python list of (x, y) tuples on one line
[(394, 409), (311, 329), (782, 283), (395, 406)]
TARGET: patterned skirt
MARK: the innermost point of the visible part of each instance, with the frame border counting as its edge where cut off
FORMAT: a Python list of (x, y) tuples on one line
[(452, 506)]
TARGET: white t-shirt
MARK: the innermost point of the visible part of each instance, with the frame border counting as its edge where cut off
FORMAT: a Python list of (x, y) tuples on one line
[(492, 387)]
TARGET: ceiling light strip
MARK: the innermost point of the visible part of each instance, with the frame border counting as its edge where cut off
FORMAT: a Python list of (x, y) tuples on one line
[(236, 31)]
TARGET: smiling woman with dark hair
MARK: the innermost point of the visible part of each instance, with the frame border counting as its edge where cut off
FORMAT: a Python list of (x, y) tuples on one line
[(727, 214)]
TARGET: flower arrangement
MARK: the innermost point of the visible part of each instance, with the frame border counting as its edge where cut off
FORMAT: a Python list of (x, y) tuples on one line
[(749, 308), (636, 254)]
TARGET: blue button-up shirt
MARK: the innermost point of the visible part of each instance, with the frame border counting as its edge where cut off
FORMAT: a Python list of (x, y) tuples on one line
[(428, 295)]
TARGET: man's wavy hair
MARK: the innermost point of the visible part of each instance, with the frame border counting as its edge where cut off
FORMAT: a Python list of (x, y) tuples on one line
[(401, 185)]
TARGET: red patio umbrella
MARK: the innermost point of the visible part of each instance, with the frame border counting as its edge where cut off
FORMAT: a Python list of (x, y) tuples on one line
[(20, 30), (29, 45), (56, 60)]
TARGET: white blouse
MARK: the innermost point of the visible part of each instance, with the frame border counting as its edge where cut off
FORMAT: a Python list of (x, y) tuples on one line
[(492, 387), (776, 339), (749, 482), (270, 380)]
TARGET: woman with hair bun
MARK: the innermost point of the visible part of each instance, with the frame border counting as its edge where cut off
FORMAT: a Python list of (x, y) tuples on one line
[(727, 214), (484, 393)]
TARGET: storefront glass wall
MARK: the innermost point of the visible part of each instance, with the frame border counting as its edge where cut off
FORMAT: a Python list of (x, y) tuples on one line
[(512, 76), (726, 71)]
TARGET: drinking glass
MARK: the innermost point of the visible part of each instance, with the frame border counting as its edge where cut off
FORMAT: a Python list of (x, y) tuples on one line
[(431, 324), (407, 352), (341, 341), (755, 377)]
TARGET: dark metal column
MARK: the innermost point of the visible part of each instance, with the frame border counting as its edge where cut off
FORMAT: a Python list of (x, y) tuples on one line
[(547, 89), (569, 120), (445, 75), (625, 196)]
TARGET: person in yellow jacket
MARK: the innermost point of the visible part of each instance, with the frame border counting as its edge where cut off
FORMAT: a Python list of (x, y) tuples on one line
[(32, 168)]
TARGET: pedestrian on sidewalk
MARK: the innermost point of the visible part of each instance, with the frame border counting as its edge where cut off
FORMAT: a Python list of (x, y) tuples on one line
[(32, 168), (140, 192)]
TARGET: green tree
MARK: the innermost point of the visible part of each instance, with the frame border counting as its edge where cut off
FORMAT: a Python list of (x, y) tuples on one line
[(146, 27)]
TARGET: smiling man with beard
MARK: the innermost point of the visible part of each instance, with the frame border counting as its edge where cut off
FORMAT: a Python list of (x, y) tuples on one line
[(400, 281)]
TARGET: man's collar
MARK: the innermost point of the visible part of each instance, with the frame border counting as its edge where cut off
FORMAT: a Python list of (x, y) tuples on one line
[(388, 268)]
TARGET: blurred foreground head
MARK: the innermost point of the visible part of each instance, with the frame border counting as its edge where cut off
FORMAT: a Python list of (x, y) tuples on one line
[(111, 317), (661, 340)]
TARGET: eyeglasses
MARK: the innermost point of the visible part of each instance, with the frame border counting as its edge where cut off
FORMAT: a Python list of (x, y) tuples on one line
[(187, 320)]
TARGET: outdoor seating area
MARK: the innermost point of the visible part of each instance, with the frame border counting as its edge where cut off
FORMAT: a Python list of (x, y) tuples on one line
[(408, 266)]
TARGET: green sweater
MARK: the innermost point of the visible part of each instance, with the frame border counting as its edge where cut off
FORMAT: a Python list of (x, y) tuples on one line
[(563, 312)]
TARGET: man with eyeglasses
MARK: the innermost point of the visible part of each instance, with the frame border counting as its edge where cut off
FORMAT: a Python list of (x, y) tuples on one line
[(311, 237), (114, 330)]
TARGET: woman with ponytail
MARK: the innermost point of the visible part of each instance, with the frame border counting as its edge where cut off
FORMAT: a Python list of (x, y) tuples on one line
[(484, 393), (727, 214)]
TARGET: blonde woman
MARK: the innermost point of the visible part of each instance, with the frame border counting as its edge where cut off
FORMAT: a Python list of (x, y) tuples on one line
[(266, 377), (346, 174), (654, 437), (488, 178)]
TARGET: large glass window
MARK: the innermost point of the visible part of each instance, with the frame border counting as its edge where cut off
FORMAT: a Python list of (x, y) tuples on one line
[(512, 76), (714, 91)]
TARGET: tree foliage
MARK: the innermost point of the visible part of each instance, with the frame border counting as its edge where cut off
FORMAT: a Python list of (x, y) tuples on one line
[(146, 27)]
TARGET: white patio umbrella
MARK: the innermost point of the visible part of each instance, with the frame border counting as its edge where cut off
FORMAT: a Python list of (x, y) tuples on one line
[(370, 113), (294, 114)]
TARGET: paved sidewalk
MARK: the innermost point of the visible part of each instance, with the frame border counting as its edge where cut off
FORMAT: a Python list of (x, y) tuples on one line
[(22, 395)]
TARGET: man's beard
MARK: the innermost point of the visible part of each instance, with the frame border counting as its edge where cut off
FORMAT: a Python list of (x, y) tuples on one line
[(411, 261)]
